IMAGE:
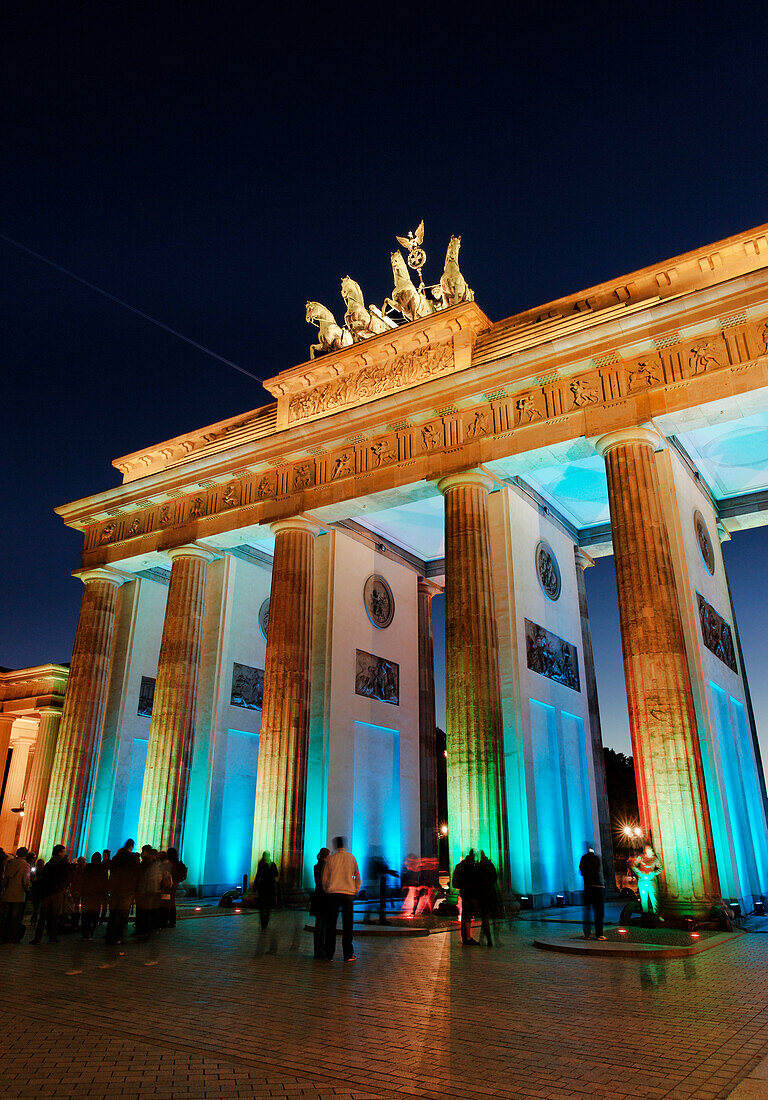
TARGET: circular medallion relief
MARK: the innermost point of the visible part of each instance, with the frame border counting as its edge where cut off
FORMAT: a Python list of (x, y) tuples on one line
[(704, 541), (264, 618), (548, 570), (379, 601)]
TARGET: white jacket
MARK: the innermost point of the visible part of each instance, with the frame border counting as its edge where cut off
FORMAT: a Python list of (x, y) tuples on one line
[(341, 874)]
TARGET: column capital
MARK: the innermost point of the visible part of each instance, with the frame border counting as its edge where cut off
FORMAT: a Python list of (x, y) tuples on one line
[(583, 560), (88, 576), (297, 523), (641, 433), (191, 550), (466, 478), (45, 711), (428, 586)]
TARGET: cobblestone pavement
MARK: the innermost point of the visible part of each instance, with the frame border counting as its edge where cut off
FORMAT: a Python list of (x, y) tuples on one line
[(216, 1009)]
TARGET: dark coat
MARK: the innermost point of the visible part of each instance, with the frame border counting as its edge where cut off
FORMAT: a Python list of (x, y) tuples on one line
[(95, 885), (55, 877), (266, 884), (123, 877)]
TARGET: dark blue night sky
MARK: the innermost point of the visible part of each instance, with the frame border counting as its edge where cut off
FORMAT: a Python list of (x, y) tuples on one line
[(215, 165)]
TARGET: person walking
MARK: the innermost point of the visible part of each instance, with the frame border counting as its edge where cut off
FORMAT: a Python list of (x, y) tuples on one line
[(465, 881), (123, 876), (486, 894), (54, 889), (594, 892), (265, 885), (36, 890), (341, 882), (318, 904), (148, 890), (94, 888), (178, 872), (16, 879), (76, 872)]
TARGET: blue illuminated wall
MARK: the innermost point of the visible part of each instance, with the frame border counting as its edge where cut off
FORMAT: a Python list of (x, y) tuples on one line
[(735, 800), (376, 813), (235, 820), (121, 831), (547, 850)]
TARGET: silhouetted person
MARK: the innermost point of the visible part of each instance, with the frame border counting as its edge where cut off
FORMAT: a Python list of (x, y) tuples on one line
[(486, 894), (76, 871), (594, 892), (178, 872), (123, 876), (53, 890), (465, 881), (15, 879), (318, 905), (94, 886), (36, 890), (341, 882), (265, 885), (148, 890)]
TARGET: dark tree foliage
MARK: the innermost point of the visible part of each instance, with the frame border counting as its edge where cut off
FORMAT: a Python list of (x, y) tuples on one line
[(622, 791)]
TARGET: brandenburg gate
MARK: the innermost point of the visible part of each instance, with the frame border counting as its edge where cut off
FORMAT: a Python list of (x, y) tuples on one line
[(253, 661)]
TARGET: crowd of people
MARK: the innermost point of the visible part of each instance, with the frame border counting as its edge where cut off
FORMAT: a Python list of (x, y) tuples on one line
[(79, 896)]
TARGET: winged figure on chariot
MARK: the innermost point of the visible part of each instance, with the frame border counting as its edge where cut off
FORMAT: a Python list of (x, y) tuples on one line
[(407, 302)]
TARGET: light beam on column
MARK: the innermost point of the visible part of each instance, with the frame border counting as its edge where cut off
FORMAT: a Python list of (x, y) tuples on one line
[(77, 748), (39, 781), (662, 719), (281, 782), (477, 816), (169, 752)]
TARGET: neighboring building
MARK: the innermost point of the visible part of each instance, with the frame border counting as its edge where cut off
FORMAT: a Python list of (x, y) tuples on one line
[(256, 624), (31, 701)]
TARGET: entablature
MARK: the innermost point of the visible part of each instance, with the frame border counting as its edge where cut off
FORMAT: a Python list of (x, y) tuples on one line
[(672, 354)]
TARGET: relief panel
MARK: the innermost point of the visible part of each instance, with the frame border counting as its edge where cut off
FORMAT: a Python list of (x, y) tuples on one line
[(377, 678), (551, 656), (247, 687), (716, 634)]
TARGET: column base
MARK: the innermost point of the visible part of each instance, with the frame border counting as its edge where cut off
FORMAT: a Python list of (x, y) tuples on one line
[(674, 912)]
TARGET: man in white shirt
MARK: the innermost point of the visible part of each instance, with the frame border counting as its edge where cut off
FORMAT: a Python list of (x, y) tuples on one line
[(341, 882)]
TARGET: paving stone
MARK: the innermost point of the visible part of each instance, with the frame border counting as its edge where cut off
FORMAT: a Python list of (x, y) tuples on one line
[(414, 1017)]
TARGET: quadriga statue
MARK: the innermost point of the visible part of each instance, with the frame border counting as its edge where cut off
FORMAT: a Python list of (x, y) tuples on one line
[(332, 337), (405, 297), (453, 285), (361, 322)]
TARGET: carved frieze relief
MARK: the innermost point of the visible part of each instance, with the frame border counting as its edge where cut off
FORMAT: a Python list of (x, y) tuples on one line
[(377, 678), (500, 415), (716, 633), (401, 371), (551, 656)]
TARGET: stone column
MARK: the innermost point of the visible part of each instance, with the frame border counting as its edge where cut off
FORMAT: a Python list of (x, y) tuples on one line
[(77, 748), (281, 783), (39, 781), (662, 720), (427, 738), (477, 814), (10, 823), (583, 561), (171, 730), (6, 725)]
